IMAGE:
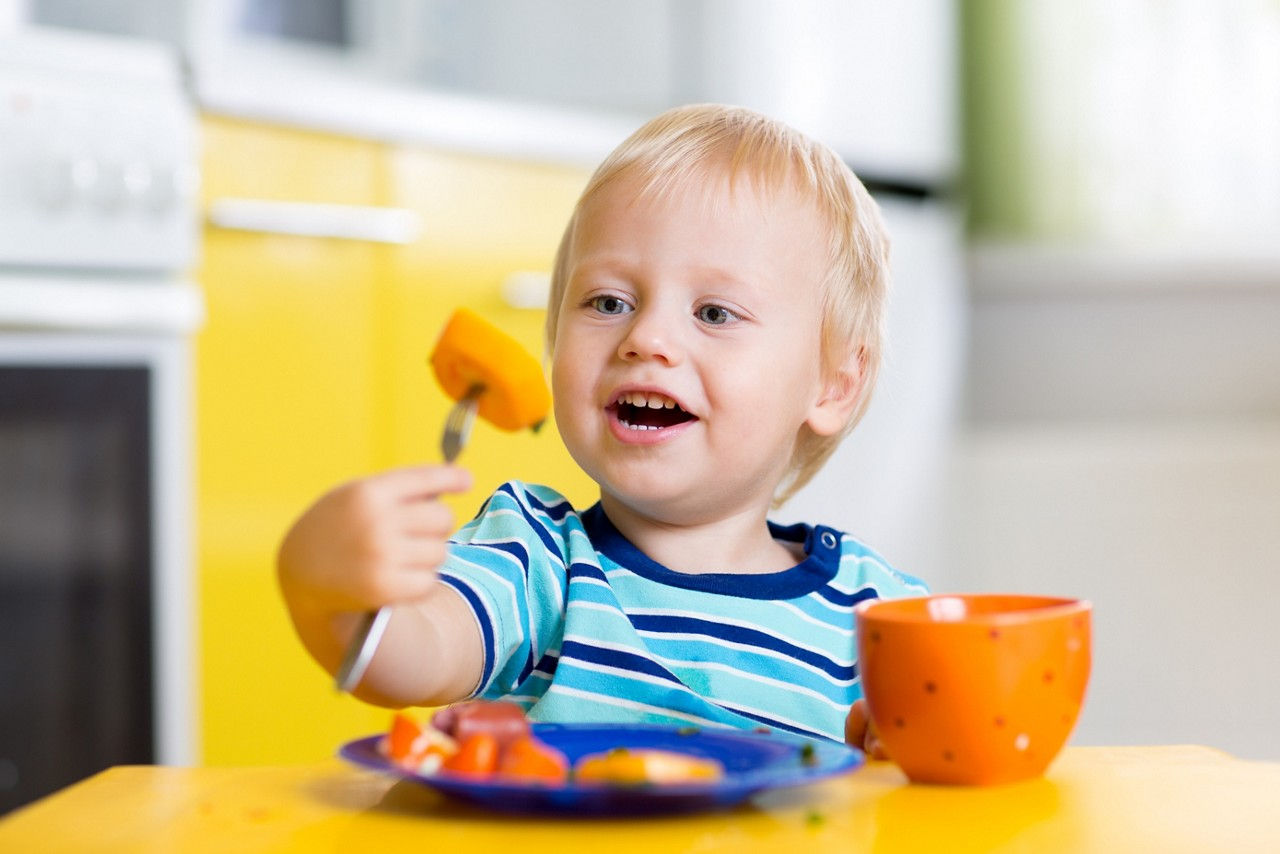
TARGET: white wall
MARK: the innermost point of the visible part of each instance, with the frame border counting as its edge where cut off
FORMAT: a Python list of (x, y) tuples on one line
[(1122, 443), (1174, 534), (1091, 426)]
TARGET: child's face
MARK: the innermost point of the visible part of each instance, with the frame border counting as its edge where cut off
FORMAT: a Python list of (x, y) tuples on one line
[(687, 347)]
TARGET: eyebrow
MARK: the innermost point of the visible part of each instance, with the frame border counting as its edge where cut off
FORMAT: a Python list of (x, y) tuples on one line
[(708, 273), (605, 262)]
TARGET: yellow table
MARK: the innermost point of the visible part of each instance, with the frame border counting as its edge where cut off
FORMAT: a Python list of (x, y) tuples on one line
[(1159, 799)]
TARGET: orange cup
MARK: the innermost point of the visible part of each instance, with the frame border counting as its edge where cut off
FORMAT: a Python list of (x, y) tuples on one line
[(974, 688)]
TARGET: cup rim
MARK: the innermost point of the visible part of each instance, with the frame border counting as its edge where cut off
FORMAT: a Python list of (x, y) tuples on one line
[(1035, 604)]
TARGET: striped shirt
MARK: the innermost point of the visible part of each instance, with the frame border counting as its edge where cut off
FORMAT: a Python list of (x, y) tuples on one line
[(579, 625)]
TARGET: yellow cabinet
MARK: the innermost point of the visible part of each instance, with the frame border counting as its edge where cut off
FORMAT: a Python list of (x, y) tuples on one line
[(482, 220), (311, 370)]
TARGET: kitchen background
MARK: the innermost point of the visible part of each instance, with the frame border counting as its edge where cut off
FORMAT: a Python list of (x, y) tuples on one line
[(1083, 389)]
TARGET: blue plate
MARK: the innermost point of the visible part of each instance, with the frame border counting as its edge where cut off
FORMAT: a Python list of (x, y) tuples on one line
[(753, 762)]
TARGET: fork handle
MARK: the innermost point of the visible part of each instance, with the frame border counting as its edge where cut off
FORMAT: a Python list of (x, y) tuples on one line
[(360, 650), (364, 643)]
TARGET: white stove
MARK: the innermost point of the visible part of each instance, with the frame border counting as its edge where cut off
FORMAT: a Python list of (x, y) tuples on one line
[(98, 166), (98, 230)]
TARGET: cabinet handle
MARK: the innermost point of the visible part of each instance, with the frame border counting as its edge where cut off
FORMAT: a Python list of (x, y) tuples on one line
[(87, 302), (311, 219)]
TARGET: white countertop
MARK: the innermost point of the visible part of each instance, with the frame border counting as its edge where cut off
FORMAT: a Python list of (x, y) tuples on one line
[(322, 96)]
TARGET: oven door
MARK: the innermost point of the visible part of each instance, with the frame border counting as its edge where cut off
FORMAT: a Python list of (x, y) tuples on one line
[(96, 617)]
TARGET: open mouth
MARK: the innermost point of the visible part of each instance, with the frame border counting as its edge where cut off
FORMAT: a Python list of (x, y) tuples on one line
[(640, 410)]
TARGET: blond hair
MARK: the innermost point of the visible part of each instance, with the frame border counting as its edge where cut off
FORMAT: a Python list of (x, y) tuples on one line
[(688, 143)]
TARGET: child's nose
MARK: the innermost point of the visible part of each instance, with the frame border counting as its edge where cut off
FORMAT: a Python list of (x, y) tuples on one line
[(650, 336)]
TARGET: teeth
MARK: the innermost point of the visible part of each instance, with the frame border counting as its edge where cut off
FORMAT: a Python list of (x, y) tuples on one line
[(651, 400)]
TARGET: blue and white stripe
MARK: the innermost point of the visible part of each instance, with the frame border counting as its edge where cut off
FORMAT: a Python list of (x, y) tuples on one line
[(580, 626)]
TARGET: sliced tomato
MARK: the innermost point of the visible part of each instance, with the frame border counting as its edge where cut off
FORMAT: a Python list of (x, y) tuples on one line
[(477, 755), (528, 759), (404, 733)]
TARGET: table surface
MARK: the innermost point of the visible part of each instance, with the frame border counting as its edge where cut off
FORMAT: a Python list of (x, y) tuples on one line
[(1166, 798)]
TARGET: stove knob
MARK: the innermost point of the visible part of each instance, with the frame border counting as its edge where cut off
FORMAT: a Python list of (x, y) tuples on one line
[(84, 175), (53, 181), (171, 187), (162, 190), (108, 189), (137, 180)]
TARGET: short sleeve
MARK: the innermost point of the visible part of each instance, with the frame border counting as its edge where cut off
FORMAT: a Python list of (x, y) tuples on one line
[(872, 574), (508, 563)]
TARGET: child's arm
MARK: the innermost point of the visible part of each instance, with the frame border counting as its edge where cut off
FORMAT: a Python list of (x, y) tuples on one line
[(378, 541)]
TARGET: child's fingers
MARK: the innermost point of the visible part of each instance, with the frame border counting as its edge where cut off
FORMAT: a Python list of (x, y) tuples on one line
[(872, 745), (415, 483), (419, 554), (410, 584), (860, 731), (427, 519), (855, 724), (412, 576)]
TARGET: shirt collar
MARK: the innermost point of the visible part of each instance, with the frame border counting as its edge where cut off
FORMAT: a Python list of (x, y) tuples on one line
[(822, 560)]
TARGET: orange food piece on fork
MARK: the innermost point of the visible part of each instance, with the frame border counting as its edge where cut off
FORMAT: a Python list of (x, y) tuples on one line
[(472, 352)]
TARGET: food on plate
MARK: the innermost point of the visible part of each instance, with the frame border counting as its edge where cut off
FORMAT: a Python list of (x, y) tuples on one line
[(477, 755), (492, 740), (624, 766), (404, 733), (417, 748), (482, 739), (500, 718), (472, 353), (531, 760)]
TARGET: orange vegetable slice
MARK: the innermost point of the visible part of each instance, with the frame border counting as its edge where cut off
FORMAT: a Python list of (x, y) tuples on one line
[(472, 351), (530, 760), (418, 748), (400, 740), (477, 756), (637, 767)]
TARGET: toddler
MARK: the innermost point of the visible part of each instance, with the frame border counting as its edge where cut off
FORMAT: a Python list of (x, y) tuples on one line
[(714, 328)]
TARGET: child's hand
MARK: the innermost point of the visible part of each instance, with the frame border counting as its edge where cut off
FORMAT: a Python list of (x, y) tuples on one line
[(860, 732), (372, 541), (380, 541)]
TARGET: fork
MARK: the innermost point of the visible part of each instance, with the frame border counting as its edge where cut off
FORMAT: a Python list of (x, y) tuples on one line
[(364, 643)]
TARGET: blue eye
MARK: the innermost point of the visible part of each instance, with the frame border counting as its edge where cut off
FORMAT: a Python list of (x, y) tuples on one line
[(715, 315), (609, 305)]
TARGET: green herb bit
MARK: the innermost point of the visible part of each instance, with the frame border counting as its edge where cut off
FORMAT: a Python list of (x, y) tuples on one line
[(808, 755)]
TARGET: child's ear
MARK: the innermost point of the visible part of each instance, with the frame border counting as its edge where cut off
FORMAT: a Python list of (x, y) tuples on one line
[(834, 407)]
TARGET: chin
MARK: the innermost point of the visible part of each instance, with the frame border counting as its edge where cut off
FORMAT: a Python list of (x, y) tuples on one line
[(667, 506), (655, 500)]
